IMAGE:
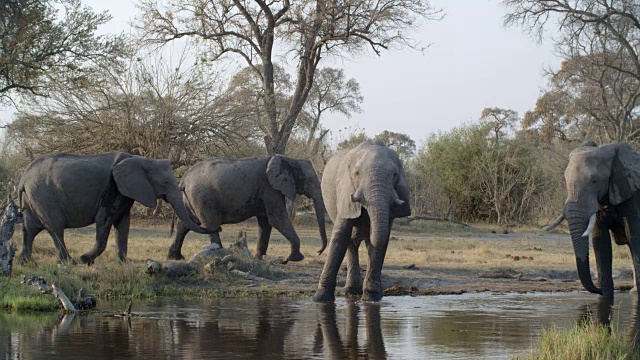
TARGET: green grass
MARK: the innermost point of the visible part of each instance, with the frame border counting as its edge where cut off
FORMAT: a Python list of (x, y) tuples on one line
[(583, 342)]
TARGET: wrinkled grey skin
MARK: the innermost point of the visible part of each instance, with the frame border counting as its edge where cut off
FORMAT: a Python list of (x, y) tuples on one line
[(227, 191), (603, 181), (364, 189), (71, 191)]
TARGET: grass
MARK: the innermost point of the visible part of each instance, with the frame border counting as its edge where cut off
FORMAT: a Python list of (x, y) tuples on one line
[(583, 342), (437, 249)]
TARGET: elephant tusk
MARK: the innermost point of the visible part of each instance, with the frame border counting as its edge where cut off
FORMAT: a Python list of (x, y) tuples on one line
[(555, 223), (357, 197), (592, 223), (398, 202)]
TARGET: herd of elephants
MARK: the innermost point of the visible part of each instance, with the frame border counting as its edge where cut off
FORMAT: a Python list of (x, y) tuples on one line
[(363, 190)]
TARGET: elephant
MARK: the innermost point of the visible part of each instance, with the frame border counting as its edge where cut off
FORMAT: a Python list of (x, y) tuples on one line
[(64, 191), (364, 189), (227, 191), (603, 200)]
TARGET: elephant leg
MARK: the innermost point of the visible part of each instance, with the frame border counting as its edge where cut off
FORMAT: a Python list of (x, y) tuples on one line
[(280, 220), (122, 235), (58, 240), (31, 227), (337, 249), (264, 233), (103, 227), (353, 286), (175, 252), (373, 278), (214, 238), (601, 240)]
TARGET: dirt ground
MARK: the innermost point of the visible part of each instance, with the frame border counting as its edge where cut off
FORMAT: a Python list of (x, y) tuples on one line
[(423, 258), (443, 258)]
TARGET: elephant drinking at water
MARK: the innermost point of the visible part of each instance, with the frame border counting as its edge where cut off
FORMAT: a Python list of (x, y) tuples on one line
[(364, 189), (226, 191), (602, 200), (71, 191)]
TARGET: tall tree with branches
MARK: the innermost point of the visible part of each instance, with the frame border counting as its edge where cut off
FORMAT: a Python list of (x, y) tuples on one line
[(309, 29), (40, 47), (600, 40)]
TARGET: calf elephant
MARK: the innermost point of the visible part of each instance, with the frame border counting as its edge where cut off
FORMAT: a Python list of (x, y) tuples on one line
[(71, 191), (226, 191), (603, 199), (364, 190)]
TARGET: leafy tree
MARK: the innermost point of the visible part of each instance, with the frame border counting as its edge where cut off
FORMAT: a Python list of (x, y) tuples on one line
[(40, 48), (353, 141), (310, 29), (401, 143)]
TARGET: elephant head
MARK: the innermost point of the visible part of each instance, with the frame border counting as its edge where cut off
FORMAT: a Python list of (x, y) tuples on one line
[(296, 177), (145, 180), (596, 177)]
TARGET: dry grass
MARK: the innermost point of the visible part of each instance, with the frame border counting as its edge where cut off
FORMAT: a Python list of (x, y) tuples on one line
[(437, 250)]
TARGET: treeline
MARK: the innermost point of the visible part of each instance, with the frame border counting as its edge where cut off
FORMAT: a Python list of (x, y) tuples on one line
[(197, 80)]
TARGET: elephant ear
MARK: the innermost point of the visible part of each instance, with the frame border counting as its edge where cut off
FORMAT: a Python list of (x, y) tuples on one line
[(402, 188), (280, 178), (347, 208), (133, 182), (625, 174)]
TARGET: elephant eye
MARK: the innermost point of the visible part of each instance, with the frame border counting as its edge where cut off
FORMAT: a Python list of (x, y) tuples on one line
[(357, 173)]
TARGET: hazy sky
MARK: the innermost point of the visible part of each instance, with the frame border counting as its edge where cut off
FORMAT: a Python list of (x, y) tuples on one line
[(473, 63)]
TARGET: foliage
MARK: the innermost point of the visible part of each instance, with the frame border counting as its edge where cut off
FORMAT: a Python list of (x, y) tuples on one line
[(40, 48), (310, 29), (588, 341), (480, 172)]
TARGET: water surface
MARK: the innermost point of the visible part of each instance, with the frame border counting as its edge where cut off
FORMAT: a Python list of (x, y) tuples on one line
[(448, 326)]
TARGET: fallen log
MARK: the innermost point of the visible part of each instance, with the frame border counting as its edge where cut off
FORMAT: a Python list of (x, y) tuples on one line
[(52, 289), (10, 217)]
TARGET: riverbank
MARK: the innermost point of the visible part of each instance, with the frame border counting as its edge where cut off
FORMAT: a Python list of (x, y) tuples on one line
[(424, 258)]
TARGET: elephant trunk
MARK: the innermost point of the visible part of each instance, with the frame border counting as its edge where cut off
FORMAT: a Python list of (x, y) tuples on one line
[(175, 199), (378, 207), (578, 221), (318, 205)]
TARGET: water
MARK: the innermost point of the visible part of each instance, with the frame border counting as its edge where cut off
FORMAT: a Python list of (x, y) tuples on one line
[(449, 327)]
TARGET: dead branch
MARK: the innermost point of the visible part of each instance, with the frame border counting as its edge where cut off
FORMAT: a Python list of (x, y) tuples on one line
[(53, 290)]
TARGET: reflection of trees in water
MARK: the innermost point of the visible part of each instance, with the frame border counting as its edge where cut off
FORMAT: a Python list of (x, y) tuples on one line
[(329, 343), (258, 331), (602, 312)]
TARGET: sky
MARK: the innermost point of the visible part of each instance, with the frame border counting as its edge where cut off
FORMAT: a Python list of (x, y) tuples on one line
[(473, 62)]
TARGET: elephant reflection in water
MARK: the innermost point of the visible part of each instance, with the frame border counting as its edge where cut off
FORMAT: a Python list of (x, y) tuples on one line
[(329, 343), (601, 313)]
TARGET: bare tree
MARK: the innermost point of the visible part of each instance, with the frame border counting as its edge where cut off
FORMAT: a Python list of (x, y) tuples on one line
[(331, 93), (155, 108), (310, 29)]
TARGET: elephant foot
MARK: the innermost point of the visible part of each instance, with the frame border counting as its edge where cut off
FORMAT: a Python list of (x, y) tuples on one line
[(353, 290), (175, 256), (370, 295), (26, 260), (258, 256), (324, 296), (87, 259), (294, 256)]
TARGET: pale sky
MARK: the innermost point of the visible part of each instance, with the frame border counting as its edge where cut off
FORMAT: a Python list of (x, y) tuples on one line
[(473, 62)]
